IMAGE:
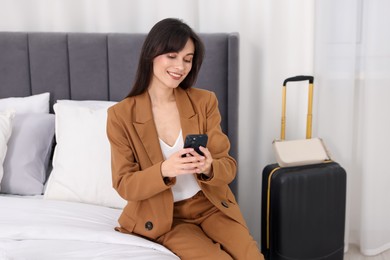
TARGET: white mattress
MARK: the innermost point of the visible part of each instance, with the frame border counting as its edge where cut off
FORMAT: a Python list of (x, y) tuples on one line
[(34, 228)]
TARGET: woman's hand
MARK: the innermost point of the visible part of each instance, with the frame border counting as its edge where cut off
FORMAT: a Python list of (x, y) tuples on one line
[(206, 169), (187, 161)]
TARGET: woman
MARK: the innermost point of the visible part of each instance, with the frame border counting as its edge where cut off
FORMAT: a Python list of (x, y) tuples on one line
[(181, 202)]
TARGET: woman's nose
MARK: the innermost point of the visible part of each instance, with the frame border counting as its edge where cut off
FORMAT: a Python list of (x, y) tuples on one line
[(179, 64)]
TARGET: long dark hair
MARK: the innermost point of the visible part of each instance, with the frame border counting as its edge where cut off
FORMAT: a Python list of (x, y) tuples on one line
[(168, 35)]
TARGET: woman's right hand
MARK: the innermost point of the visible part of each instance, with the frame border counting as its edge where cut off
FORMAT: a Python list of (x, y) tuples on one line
[(180, 163)]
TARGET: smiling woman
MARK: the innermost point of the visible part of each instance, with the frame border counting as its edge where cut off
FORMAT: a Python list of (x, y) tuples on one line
[(181, 202)]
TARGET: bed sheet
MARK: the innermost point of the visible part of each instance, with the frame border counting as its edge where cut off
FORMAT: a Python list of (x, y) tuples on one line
[(35, 228)]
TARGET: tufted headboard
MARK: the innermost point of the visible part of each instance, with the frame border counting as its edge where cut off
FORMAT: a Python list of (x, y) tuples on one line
[(102, 66)]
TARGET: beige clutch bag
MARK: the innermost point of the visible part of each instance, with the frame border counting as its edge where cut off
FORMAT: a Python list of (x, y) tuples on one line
[(299, 152)]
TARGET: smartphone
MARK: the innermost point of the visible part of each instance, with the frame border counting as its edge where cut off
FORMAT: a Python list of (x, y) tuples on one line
[(194, 141)]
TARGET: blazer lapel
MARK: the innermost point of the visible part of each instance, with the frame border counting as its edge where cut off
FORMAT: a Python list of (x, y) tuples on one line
[(146, 129), (189, 119)]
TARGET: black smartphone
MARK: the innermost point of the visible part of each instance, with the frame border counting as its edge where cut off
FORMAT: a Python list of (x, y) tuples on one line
[(194, 141)]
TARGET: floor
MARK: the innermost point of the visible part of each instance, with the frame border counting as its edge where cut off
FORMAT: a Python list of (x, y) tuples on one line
[(354, 254)]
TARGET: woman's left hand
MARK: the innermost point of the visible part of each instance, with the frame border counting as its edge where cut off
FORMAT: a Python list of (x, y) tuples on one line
[(206, 168)]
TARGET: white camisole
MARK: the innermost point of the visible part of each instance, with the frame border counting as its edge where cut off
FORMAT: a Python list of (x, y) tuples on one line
[(186, 185)]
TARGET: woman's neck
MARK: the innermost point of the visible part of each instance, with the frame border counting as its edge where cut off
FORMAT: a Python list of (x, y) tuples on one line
[(160, 96)]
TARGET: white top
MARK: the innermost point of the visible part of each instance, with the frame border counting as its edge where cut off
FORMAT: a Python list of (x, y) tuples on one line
[(186, 185)]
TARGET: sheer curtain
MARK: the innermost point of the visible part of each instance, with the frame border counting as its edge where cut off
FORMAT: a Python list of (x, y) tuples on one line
[(352, 65), (345, 44)]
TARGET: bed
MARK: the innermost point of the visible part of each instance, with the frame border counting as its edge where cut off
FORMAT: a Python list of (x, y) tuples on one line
[(56, 198)]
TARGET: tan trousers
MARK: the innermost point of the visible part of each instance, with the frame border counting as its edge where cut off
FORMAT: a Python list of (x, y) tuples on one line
[(201, 231)]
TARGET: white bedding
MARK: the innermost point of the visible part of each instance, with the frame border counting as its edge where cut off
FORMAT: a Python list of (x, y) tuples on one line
[(34, 228)]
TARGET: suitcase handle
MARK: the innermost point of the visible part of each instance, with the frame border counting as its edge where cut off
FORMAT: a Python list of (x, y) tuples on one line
[(299, 78), (309, 109)]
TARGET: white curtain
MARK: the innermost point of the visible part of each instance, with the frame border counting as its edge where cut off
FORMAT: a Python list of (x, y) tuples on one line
[(341, 43), (352, 65)]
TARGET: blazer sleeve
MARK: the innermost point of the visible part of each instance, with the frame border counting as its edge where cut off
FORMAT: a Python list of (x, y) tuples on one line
[(224, 166)]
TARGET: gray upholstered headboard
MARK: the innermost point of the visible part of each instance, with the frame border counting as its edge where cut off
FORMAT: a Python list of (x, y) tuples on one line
[(98, 66)]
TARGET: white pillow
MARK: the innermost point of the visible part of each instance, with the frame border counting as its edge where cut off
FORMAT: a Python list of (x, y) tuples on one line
[(92, 104), (32, 104), (29, 149), (82, 158), (5, 133)]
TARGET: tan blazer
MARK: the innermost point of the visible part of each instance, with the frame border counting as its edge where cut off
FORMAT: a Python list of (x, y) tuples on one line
[(137, 157)]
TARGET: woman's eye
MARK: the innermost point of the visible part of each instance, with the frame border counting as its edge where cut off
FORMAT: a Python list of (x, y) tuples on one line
[(174, 56)]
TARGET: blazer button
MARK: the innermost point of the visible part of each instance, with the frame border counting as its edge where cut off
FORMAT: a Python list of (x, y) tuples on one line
[(149, 225), (225, 204)]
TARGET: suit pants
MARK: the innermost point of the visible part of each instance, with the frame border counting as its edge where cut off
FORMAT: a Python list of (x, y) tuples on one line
[(201, 231)]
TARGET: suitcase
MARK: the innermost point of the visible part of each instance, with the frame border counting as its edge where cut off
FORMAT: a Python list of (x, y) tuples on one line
[(303, 207)]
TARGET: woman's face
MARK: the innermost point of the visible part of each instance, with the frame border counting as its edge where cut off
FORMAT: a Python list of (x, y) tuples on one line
[(170, 69)]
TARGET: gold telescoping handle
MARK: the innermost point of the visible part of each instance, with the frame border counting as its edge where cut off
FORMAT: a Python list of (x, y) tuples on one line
[(309, 109)]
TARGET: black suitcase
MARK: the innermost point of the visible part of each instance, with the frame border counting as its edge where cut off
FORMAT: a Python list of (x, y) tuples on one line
[(303, 209)]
